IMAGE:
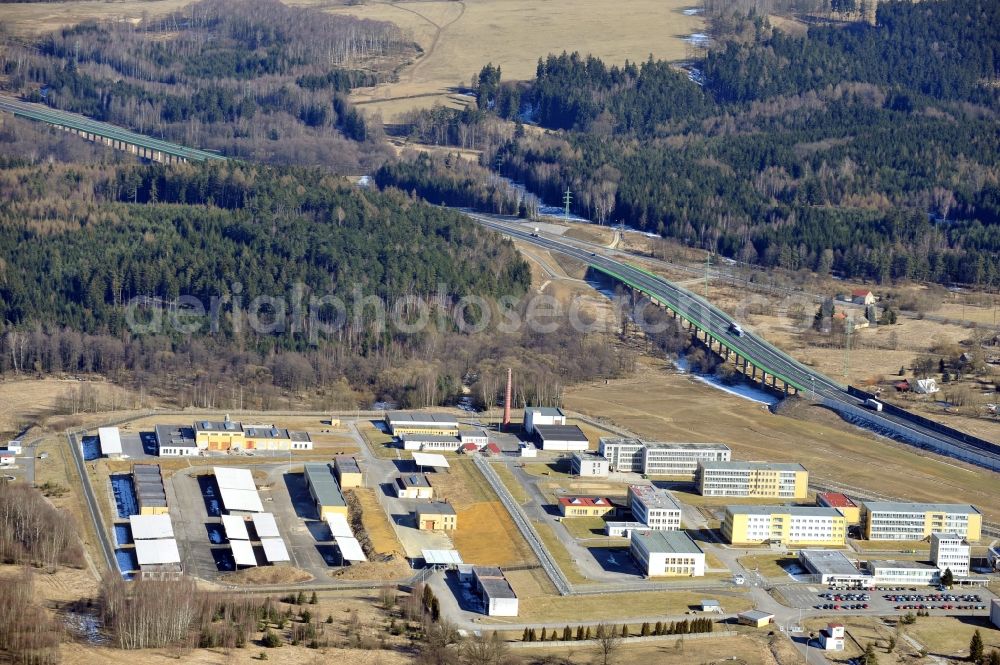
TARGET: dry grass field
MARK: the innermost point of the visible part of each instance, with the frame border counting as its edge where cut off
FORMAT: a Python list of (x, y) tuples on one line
[(458, 38), (945, 638), (595, 607), (376, 523), (660, 404), (29, 400), (486, 534), (740, 649)]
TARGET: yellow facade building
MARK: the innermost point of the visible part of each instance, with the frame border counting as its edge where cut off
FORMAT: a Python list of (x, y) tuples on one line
[(764, 480), (436, 516), (792, 526), (213, 435), (348, 472), (892, 520), (585, 506)]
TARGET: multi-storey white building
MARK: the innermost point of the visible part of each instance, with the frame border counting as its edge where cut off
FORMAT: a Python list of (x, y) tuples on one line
[(753, 479), (659, 458), (654, 507), (950, 551)]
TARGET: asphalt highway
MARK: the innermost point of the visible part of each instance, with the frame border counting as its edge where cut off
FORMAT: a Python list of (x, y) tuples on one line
[(720, 326)]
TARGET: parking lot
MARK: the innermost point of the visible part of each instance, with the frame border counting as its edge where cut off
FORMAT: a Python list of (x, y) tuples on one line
[(196, 510), (881, 601)]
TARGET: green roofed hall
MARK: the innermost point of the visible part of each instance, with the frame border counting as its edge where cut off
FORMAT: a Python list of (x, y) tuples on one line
[(324, 490)]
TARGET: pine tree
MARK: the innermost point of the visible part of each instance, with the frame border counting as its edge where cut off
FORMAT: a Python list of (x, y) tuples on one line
[(589, 634), (567, 634), (313, 599), (624, 630), (543, 634), (659, 628), (976, 650), (645, 629), (300, 599), (579, 632), (525, 634)]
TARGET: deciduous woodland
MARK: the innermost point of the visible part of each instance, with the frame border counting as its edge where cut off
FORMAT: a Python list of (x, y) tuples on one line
[(257, 79), (869, 151), (80, 244)]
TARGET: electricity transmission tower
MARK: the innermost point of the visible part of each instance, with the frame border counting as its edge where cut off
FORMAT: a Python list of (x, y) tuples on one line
[(567, 198)]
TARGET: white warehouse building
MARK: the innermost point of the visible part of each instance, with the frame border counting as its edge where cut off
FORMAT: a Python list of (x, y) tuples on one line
[(542, 415), (667, 554)]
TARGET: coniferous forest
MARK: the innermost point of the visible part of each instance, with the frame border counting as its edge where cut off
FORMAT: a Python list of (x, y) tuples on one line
[(867, 150), (257, 80)]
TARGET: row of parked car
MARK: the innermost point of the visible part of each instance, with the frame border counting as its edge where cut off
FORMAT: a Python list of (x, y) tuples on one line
[(935, 597), (943, 606), (845, 606), (846, 596)]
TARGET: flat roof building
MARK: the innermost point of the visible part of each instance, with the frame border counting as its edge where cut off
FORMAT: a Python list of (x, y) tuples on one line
[(175, 441), (428, 442), (590, 465), (832, 567), (218, 436), (158, 558), (841, 502), (436, 516), (149, 490), (151, 527), (497, 595), (560, 437), (892, 520), (414, 486), (348, 472), (770, 480), (659, 458), (656, 508), (622, 529), (903, 573), (237, 490), (755, 618), (300, 440), (667, 554), (949, 551), (585, 506), (542, 415), (269, 437), (324, 490), (420, 422), (111, 442), (792, 526)]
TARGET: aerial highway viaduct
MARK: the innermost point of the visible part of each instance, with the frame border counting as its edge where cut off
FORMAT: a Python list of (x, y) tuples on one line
[(755, 356), (109, 135)]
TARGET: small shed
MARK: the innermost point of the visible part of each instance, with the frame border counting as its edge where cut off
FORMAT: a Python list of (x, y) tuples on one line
[(708, 605), (755, 618)]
